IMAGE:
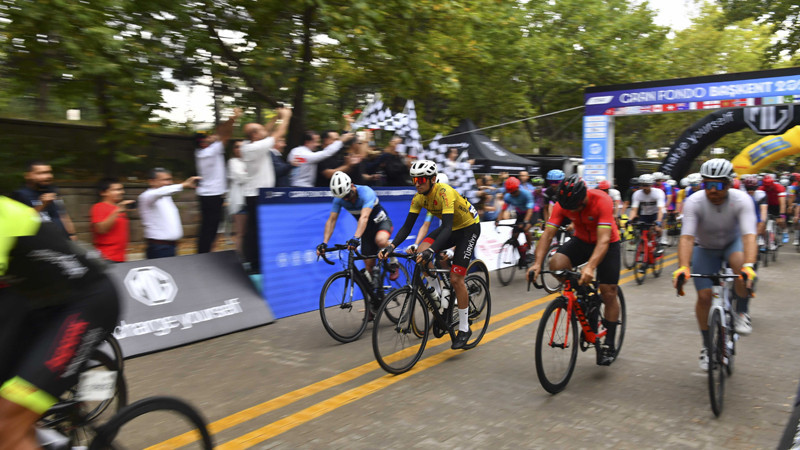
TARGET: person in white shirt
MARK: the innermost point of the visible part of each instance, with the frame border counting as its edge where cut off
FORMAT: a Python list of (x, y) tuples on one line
[(161, 221), (237, 210), (305, 159), (210, 161), (257, 157)]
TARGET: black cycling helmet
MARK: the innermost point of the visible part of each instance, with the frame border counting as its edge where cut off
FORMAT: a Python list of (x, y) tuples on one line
[(634, 181), (571, 192)]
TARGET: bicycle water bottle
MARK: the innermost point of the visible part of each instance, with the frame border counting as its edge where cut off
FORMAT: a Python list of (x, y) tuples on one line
[(376, 275), (434, 297), (445, 298)]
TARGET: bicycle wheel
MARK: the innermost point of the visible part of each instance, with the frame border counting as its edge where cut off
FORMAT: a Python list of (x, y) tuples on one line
[(478, 267), (716, 362), (480, 309), (396, 346), (507, 261), (629, 252), (550, 283), (343, 307), (556, 347), (639, 265), (620, 336), (146, 423), (390, 285), (658, 265)]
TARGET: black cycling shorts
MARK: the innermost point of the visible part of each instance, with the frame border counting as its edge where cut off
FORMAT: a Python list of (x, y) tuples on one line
[(48, 347), (579, 252), (368, 245), (464, 241)]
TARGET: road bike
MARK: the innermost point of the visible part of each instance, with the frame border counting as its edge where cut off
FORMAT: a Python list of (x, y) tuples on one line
[(349, 298), (722, 336), (629, 236), (514, 256), (557, 338), (398, 344), (95, 413), (673, 227), (649, 252), (549, 282), (772, 243)]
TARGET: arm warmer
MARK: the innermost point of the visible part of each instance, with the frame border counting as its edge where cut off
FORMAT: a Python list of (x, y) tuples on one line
[(444, 235), (402, 234)]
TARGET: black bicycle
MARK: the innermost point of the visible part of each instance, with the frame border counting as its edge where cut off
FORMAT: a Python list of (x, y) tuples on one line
[(511, 256), (350, 297), (398, 344)]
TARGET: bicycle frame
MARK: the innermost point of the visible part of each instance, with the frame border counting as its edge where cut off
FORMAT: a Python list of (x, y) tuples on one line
[(570, 291), (376, 288), (417, 285)]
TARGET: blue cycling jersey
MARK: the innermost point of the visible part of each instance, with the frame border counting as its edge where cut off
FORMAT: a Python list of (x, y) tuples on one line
[(522, 202), (366, 198)]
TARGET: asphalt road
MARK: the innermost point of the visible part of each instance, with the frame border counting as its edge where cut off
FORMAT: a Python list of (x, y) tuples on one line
[(289, 385)]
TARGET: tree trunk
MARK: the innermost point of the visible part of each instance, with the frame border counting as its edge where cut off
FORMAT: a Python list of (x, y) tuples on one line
[(297, 125), (106, 116)]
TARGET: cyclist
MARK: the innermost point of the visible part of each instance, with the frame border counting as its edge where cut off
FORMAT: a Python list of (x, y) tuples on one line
[(426, 225), (538, 200), (460, 228), (648, 203), (694, 180), (776, 201), (554, 177), (522, 202), (596, 243), (605, 186), (750, 183), (374, 226), (718, 225), (57, 307)]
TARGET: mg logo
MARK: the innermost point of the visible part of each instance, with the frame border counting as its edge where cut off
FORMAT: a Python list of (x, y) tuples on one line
[(769, 119), (151, 286)]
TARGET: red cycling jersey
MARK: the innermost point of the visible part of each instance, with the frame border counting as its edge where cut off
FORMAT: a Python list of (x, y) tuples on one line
[(774, 194), (598, 213)]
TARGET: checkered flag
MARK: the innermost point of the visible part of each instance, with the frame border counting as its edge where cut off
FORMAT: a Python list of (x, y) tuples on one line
[(459, 172), (408, 129), (372, 116)]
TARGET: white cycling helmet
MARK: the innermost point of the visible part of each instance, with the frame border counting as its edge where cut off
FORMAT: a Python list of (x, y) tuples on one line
[(785, 181), (340, 184), (672, 182), (423, 168), (717, 168), (694, 178), (646, 180), (684, 182), (442, 178), (659, 176)]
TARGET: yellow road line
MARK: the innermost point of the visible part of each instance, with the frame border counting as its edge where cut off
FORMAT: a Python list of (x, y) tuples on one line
[(349, 375)]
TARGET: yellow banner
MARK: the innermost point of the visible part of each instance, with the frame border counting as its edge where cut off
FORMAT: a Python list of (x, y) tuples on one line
[(755, 157)]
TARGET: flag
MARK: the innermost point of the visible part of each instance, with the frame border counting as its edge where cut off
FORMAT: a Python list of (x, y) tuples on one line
[(459, 172)]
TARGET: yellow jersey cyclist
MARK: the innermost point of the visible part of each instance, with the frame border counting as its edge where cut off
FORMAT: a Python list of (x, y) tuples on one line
[(460, 228), (57, 307), (719, 224)]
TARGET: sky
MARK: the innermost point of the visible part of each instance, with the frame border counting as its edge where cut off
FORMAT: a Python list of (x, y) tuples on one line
[(194, 103)]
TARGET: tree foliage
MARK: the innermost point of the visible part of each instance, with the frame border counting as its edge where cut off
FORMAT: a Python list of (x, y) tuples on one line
[(493, 61)]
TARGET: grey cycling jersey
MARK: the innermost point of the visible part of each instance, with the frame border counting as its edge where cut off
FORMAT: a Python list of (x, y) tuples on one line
[(716, 226)]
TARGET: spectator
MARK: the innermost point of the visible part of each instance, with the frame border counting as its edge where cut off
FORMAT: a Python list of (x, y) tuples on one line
[(488, 209), (525, 181), (41, 194), (161, 221), (324, 175), (110, 232), (305, 159), (260, 174), (392, 165), (283, 169), (350, 160), (210, 161), (486, 184), (237, 209)]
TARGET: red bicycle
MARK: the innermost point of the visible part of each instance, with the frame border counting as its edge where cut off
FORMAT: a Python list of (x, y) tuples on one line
[(557, 339), (649, 252)]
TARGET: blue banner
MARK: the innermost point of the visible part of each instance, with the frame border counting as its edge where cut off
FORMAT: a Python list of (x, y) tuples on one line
[(291, 225), (695, 96), (595, 148)]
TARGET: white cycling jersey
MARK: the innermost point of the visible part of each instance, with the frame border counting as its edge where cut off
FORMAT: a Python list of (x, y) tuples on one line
[(648, 204), (714, 227)]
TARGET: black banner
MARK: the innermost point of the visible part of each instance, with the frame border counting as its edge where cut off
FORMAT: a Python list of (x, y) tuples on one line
[(764, 120), (173, 301)]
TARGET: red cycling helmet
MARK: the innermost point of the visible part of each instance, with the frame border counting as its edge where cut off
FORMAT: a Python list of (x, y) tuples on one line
[(736, 183), (604, 185), (768, 181), (512, 185)]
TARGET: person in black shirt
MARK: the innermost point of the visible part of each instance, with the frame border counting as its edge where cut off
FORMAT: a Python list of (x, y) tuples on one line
[(41, 194)]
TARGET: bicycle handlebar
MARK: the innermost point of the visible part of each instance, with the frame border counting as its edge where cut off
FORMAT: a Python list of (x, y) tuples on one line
[(339, 247), (716, 277)]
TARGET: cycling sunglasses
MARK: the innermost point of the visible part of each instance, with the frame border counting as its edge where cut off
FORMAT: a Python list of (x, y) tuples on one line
[(420, 180), (716, 185)]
